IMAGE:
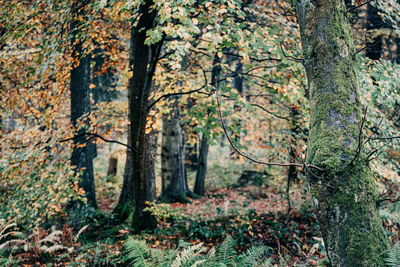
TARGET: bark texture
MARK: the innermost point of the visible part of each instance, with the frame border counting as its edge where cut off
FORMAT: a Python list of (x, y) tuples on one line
[(143, 63), (84, 151), (174, 187), (201, 167), (345, 194)]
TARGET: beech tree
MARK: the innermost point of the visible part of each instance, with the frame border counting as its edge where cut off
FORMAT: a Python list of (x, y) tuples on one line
[(143, 63), (174, 186), (344, 194), (83, 152)]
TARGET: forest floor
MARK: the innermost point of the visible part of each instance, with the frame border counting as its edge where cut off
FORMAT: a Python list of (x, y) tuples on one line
[(251, 215)]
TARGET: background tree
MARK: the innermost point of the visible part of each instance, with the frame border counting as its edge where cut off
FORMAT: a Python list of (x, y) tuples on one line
[(84, 150)]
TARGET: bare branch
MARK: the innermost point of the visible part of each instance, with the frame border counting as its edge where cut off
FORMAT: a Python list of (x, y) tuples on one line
[(250, 158), (357, 155), (95, 135)]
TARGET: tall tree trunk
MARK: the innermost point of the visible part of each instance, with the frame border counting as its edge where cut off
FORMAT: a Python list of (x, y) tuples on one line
[(374, 40), (238, 85), (344, 194), (143, 64), (202, 161), (104, 81), (83, 152), (174, 187)]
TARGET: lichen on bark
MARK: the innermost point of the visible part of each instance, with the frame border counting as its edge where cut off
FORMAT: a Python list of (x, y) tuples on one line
[(345, 193)]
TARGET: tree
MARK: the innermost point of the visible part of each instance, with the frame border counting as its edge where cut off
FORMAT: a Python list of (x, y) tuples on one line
[(83, 152), (174, 186), (143, 62), (374, 39), (344, 194), (203, 153)]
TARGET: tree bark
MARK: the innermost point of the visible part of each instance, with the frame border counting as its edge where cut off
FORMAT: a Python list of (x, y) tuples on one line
[(201, 167), (174, 186), (344, 194), (112, 166), (83, 151), (143, 63)]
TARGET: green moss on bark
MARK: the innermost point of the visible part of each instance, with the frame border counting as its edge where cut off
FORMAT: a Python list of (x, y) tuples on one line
[(345, 193)]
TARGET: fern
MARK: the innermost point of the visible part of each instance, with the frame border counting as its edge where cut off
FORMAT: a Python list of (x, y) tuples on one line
[(254, 256), (226, 252), (393, 258), (137, 252), (187, 255)]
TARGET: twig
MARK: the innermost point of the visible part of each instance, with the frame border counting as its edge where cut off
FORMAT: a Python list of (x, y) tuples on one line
[(270, 112), (290, 57), (354, 8), (360, 137), (386, 138), (386, 196), (250, 158), (95, 135), (176, 94), (374, 151)]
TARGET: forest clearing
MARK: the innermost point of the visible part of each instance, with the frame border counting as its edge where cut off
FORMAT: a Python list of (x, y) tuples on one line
[(190, 133)]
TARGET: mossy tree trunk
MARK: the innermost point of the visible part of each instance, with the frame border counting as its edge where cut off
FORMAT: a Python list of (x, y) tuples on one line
[(344, 194)]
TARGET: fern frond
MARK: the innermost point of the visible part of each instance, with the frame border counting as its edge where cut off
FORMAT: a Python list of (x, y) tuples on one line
[(393, 257), (226, 252), (53, 237), (189, 254), (198, 262), (137, 252), (13, 242), (80, 232), (52, 249), (5, 228), (252, 256)]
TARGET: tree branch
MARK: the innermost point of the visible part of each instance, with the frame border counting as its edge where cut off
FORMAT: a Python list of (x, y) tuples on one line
[(95, 135)]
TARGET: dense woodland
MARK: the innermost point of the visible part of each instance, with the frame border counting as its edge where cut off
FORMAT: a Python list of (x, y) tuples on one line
[(199, 133)]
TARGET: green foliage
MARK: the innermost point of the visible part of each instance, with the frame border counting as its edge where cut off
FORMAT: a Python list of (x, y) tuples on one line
[(163, 211), (37, 183), (139, 255), (393, 257)]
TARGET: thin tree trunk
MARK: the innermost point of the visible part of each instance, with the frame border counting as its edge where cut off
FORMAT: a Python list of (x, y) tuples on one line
[(202, 161), (143, 64), (150, 174), (201, 167), (83, 152), (344, 194), (294, 132), (125, 201), (374, 40)]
